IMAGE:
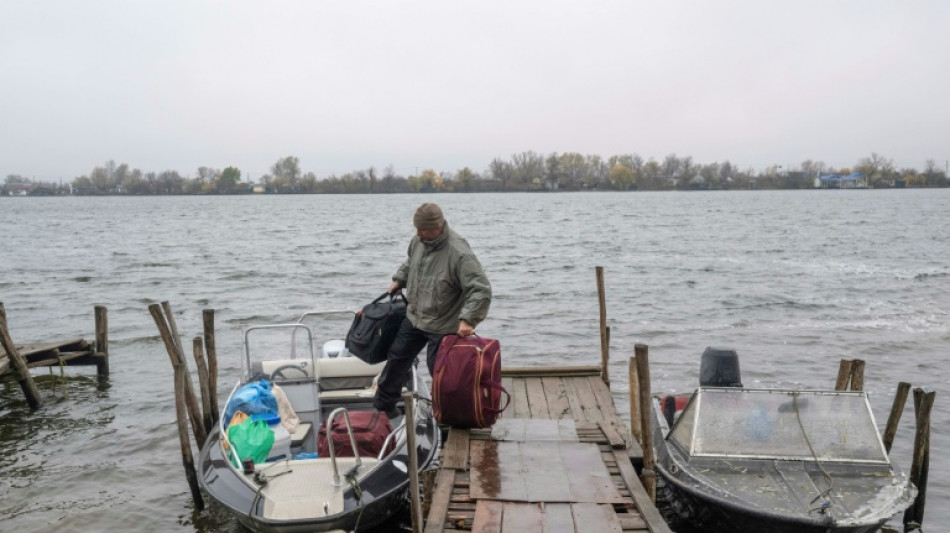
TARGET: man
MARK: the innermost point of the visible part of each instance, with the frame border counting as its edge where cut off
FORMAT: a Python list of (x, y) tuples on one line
[(447, 291)]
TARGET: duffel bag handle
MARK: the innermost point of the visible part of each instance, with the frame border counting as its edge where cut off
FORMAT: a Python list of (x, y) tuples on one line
[(449, 340), (498, 386), (392, 297)]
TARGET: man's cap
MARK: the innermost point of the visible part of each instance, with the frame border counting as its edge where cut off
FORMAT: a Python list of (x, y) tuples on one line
[(428, 216)]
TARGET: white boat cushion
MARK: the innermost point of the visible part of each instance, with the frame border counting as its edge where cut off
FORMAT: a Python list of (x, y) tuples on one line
[(306, 488)]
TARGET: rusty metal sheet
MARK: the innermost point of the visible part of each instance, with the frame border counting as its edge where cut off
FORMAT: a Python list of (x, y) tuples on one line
[(487, 517), (594, 517), (528, 429), (559, 519), (522, 517), (550, 471)]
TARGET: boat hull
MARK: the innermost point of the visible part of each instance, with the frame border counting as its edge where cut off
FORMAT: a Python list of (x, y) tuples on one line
[(384, 491), (690, 511)]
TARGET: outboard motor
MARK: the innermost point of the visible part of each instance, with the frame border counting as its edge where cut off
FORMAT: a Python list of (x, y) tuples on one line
[(335, 348), (720, 368)]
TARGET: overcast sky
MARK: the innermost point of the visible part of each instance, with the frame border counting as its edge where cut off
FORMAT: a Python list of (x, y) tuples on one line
[(447, 84)]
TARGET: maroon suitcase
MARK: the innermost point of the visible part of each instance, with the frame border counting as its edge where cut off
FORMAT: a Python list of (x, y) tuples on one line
[(370, 429), (466, 389)]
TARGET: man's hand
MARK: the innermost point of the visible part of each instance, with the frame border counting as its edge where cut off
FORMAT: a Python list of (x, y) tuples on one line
[(465, 329), (394, 288)]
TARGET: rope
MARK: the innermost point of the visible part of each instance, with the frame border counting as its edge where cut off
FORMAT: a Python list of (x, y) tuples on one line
[(825, 505)]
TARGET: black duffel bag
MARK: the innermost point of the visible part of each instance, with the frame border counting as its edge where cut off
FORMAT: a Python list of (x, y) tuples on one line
[(374, 328)]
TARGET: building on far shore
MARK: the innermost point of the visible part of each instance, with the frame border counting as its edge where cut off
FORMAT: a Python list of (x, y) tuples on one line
[(855, 180)]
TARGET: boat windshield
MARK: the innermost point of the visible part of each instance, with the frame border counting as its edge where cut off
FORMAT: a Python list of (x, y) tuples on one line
[(780, 424)]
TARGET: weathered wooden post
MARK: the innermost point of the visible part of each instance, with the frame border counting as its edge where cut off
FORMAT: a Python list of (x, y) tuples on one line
[(410, 425), (857, 375), (897, 409), (634, 399), (198, 348), (207, 316), (102, 341), (844, 375), (23, 371), (180, 416), (191, 400), (604, 342), (648, 474), (920, 465)]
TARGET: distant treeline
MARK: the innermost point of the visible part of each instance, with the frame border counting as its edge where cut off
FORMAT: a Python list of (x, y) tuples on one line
[(527, 171)]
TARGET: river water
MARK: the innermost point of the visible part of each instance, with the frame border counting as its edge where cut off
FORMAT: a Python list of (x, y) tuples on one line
[(794, 280)]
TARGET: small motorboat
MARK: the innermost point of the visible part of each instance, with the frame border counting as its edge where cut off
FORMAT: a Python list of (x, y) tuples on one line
[(737, 459), (296, 489)]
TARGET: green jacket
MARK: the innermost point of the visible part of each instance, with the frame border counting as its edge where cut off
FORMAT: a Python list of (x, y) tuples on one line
[(444, 283)]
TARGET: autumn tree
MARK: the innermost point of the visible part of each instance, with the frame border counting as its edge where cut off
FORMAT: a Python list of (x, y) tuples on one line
[(622, 176)]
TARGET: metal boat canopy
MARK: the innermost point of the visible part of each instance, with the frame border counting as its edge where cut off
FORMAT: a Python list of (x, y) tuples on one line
[(779, 424)]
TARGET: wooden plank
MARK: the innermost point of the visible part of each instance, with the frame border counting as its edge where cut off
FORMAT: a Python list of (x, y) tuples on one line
[(577, 411), (612, 436), (641, 499), (558, 406), (518, 517), (455, 452), (587, 399), (537, 402), (631, 521), (542, 371), (594, 517), (45, 346), (488, 516), (519, 399), (605, 400), (435, 522), (87, 357), (558, 518)]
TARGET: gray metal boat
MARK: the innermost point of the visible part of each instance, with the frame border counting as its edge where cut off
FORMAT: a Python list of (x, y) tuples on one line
[(300, 492), (774, 460)]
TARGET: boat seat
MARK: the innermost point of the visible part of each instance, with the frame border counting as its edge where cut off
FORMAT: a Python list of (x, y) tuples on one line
[(346, 373), (300, 434), (335, 373)]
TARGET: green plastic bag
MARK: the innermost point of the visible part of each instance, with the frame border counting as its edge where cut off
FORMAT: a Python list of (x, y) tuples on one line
[(251, 439)]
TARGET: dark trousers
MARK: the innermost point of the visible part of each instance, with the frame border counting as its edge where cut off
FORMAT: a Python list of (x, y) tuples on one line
[(406, 346)]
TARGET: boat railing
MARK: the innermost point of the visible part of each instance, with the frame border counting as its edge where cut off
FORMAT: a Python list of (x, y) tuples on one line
[(293, 327), (349, 430), (229, 450), (310, 314)]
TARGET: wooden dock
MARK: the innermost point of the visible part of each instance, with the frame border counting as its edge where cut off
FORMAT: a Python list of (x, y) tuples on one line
[(18, 360), (559, 460)]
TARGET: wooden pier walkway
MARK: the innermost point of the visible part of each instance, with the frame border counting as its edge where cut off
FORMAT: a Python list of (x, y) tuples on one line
[(559, 460), (18, 360)]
